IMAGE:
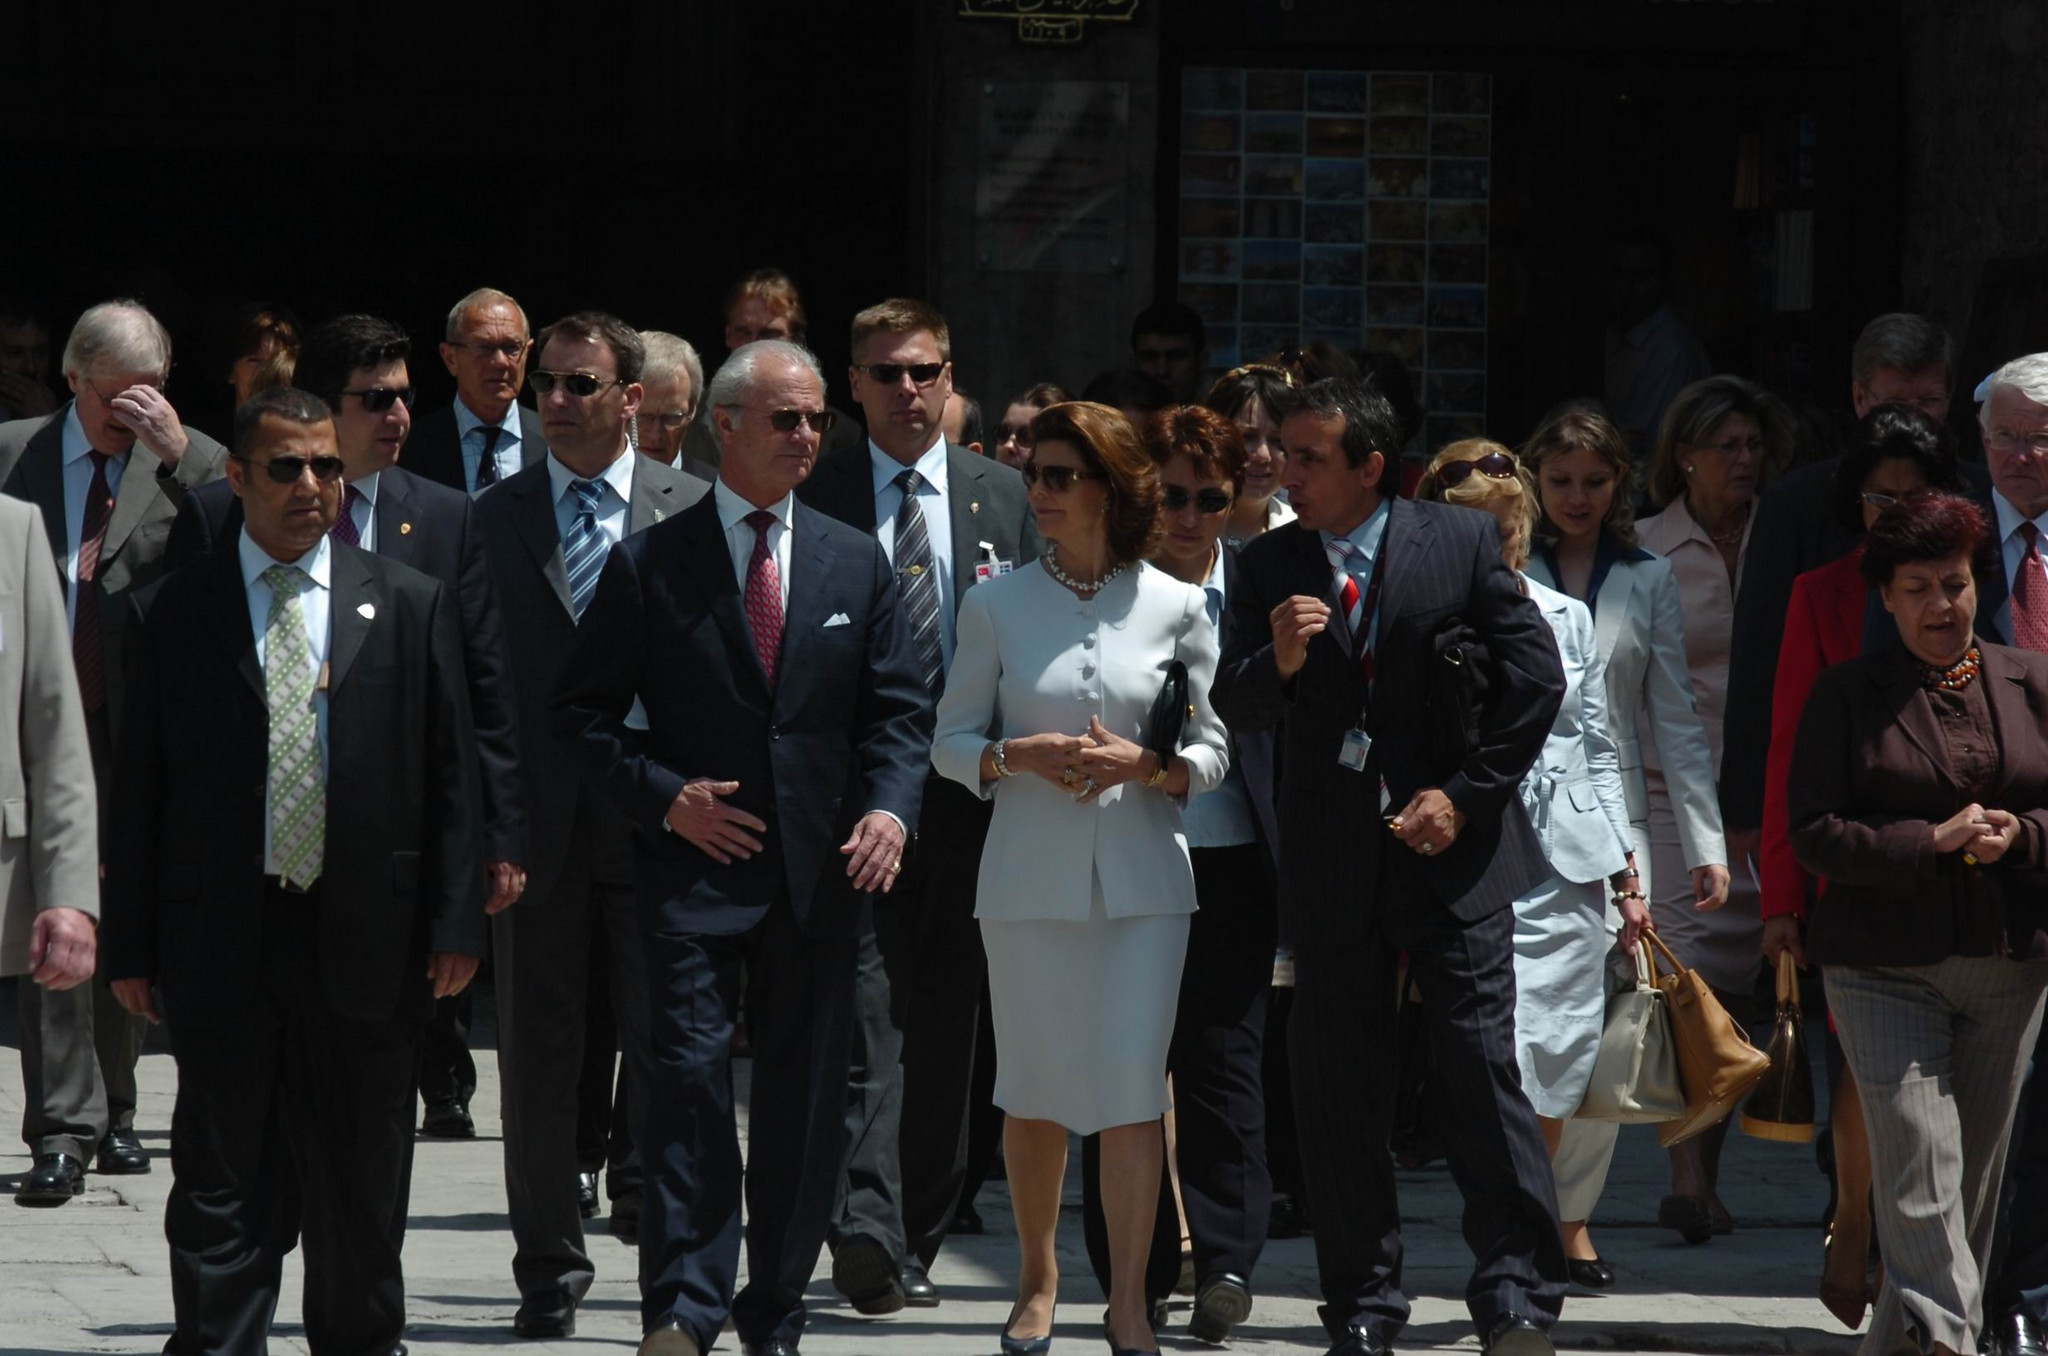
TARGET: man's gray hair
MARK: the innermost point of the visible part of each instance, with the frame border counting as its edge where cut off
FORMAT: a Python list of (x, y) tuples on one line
[(667, 352), (2027, 375), (1910, 343), (735, 379), (483, 296), (122, 334)]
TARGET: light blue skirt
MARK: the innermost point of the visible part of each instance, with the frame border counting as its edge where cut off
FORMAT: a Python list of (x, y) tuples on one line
[(1560, 992)]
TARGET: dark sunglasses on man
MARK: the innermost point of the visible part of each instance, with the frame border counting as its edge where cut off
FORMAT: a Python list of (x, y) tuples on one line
[(921, 374), (786, 420), (1207, 502), (378, 399), (1058, 479), (286, 470), (1494, 465), (579, 384)]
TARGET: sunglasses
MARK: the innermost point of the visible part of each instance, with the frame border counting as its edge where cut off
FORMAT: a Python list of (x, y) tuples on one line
[(1496, 465), (1206, 501), (381, 398), (1019, 434), (287, 470), (1880, 502), (1058, 479), (921, 374), (668, 419), (579, 384), (786, 421)]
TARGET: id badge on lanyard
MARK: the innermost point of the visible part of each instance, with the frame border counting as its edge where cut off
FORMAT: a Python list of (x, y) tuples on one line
[(1357, 744)]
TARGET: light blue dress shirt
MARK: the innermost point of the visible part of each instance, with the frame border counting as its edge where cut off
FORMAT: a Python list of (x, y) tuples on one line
[(938, 522), (315, 602), (77, 484), (508, 454), (1365, 548)]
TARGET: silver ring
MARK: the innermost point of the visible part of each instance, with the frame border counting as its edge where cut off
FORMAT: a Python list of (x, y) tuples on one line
[(1428, 847)]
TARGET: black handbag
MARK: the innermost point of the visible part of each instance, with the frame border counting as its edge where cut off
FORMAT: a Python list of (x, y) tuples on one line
[(1781, 1108), (1170, 712), (1454, 697)]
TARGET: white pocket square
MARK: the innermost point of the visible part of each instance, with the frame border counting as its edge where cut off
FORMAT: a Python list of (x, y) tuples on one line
[(838, 619)]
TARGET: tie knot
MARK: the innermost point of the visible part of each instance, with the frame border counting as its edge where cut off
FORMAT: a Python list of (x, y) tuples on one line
[(589, 491), (760, 520), (285, 579), (99, 459), (909, 480), (350, 497), (1339, 550)]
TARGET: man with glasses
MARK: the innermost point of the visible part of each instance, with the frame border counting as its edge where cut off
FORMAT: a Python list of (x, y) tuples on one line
[(549, 528), (673, 384), (485, 435), (108, 471), (358, 364), (946, 518), (297, 878)]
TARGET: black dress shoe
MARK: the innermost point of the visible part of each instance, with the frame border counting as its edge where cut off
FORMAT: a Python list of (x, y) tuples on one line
[(918, 1290), (626, 1217), (1590, 1274), (1359, 1340), (864, 1272), (2018, 1335), (448, 1120), (586, 1194), (1513, 1335), (121, 1155), (774, 1346), (1223, 1302), (547, 1313), (55, 1179)]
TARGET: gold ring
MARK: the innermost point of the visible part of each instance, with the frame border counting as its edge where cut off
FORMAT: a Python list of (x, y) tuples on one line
[(896, 865)]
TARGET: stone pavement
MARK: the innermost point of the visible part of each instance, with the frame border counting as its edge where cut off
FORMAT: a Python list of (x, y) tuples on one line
[(93, 1275)]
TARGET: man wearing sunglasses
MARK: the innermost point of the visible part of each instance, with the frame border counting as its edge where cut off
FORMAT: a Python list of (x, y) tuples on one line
[(108, 472), (485, 434), (297, 877), (549, 528), (774, 783), (1399, 837), (946, 518)]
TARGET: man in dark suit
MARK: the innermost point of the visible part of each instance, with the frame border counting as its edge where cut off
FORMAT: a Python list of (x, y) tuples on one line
[(921, 962), (1337, 627), (108, 471), (297, 876), (486, 435), (547, 529), (357, 364), (787, 730)]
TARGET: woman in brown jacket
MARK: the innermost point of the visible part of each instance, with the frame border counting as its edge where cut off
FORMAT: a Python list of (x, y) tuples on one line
[(1919, 790)]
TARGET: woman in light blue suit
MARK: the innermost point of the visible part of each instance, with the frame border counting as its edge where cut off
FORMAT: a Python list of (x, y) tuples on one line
[(1085, 886)]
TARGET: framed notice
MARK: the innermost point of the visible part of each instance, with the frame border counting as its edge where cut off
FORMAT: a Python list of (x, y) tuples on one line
[(1052, 194)]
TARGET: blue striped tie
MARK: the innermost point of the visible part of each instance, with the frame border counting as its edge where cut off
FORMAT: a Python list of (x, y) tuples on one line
[(919, 574), (583, 550)]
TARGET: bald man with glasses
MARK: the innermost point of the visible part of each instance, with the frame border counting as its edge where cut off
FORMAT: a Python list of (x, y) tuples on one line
[(484, 435)]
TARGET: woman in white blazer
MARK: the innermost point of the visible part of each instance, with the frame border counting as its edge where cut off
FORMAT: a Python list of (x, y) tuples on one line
[(1085, 886), (1586, 549)]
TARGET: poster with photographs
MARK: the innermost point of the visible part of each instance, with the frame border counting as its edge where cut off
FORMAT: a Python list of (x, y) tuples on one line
[(1345, 206)]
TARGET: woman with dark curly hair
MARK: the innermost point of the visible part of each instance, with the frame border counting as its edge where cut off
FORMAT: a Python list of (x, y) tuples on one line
[(1919, 792), (1085, 886)]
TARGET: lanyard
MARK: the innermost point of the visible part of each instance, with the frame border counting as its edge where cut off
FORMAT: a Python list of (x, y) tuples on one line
[(1363, 650)]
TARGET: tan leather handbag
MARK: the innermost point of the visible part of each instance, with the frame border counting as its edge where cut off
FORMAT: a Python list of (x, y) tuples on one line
[(1781, 1108), (1717, 1065), (1635, 1075)]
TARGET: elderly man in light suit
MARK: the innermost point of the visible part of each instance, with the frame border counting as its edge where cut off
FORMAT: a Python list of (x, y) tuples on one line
[(108, 472)]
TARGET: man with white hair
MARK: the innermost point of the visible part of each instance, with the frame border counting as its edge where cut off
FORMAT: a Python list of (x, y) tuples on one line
[(674, 384), (108, 471), (485, 434)]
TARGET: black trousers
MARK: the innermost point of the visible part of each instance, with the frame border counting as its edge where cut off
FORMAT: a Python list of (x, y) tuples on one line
[(922, 973), (1219, 1036), (447, 1069), (2019, 1282), (799, 999), (604, 1130), (294, 1121), (1341, 1043)]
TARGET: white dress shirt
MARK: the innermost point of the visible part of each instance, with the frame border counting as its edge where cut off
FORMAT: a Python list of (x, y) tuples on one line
[(613, 501), (314, 603), (365, 511), (77, 484), (739, 535), (938, 521), (1365, 549), (1223, 817), (507, 454)]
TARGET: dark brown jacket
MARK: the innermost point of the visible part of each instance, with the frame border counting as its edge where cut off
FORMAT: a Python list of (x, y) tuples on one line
[(1870, 780)]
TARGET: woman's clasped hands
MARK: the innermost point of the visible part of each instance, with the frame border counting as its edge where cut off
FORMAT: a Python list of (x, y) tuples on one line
[(1983, 836)]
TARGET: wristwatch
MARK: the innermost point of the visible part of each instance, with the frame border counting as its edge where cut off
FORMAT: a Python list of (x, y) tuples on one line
[(995, 753)]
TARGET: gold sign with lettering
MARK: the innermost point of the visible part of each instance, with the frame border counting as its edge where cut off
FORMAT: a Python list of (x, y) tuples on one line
[(1051, 21)]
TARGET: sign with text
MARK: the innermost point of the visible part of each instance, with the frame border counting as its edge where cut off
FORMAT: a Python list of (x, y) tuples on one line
[(1053, 190), (1050, 21)]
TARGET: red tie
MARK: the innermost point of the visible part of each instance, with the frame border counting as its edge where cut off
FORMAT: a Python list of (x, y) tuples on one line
[(764, 595), (344, 529), (85, 624), (2030, 596)]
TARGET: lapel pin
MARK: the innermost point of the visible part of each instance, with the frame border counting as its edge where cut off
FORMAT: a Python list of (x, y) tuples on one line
[(366, 610), (657, 515), (405, 529), (974, 506)]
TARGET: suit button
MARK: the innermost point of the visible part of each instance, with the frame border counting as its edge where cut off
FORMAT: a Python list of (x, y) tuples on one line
[(1091, 696), (1087, 642), (775, 732), (1087, 670)]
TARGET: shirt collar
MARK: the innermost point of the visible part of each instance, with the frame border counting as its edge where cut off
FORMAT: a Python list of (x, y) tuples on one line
[(318, 563), (2010, 518), (366, 488), (1365, 538), (930, 463), (466, 419), (733, 510), (618, 475), (76, 446)]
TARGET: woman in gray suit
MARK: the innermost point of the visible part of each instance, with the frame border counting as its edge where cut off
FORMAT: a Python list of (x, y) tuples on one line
[(1085, 886), (1919, 791)]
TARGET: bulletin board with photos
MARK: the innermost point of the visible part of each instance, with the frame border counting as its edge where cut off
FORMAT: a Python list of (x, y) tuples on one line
[(1347, 206)]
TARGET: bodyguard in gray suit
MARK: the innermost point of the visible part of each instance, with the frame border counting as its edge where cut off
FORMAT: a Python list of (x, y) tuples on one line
[(108, 472), (547, 530)]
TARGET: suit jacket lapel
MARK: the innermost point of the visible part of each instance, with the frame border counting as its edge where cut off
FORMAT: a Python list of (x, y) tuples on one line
[(1319, 580), (229, 616), (810, 566), (533, 439), (1402, 548), (40, 474), (394, 520), (347, 626), (653, 494), (535, 516), (136, 497), (1910, 713), (966, 497), (1613, 607), (2005, 689)]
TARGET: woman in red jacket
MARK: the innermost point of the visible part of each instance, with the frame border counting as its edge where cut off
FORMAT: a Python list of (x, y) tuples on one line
[(1897, 450)]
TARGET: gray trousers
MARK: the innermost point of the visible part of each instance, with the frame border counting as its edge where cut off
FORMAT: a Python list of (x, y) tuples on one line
[(1938, 1051), (78, 1052)]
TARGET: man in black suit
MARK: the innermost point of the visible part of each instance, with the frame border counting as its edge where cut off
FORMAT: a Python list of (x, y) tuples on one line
[(921, 962), (787, 731), (547, 529), (1336, 633), (108, 472), (357, 364), (298, 875), (486, 435)]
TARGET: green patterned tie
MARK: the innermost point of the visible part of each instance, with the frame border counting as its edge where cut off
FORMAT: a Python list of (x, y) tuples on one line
[(298, 785)]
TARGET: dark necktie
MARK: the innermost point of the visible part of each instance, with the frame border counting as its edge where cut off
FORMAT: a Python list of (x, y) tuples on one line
[(487, 464), (920, 579), (2030, 596), (344, 529), (764, 595), (85, 624)]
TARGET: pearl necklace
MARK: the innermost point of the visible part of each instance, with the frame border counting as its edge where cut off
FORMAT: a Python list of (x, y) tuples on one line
[(1052, 567), (1956, 676)]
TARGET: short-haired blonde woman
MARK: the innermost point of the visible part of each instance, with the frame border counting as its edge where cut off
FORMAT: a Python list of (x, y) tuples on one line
[(1085, 886)]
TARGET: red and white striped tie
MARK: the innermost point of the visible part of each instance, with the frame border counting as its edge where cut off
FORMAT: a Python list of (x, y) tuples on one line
[(2030, 596)]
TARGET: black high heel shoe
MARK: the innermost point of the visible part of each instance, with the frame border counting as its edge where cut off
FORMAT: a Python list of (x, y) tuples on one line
[(1027, 1346), (1109, 1333)]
